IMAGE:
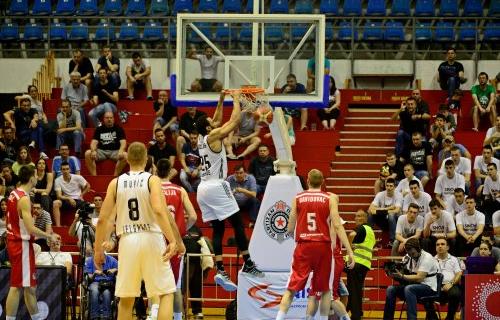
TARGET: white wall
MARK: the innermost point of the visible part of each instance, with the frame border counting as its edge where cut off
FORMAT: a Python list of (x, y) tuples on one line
[(16, 74)]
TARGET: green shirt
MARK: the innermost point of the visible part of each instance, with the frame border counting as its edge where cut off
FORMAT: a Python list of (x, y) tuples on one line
[(311, 65), (483, 96)]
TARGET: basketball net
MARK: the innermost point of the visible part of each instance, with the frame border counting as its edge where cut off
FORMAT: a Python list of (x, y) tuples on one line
[(251, 97)]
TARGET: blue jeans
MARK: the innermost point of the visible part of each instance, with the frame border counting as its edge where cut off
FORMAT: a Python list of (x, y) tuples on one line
[(99, 110), (252, 205), (100, 302), (28, 135), (402, 140), (410, 294), (190, 184), (261, 188), (76, 136)]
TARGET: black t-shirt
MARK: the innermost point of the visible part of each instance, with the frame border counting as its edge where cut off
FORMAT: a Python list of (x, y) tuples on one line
[(169, 111), (187, 123), (109, 138), (164, 153), (101, 95), (23, 119), (447, 71), (398, 169), (10, 150), (85, 67), (261, 170), (417, 156), (104, 64), (360, 235), (409, 125)]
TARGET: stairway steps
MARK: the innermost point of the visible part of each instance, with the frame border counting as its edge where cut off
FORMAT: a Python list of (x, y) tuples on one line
[(372, 135), (371, 128), (354, 173), (367, 142), (370, 120), (375, 165), (357, 159), (336, 181), (356, 199), (352, 189), (371, 112), (362, 150)]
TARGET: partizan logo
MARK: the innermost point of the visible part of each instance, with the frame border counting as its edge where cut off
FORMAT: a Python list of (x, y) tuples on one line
[(276, 221)]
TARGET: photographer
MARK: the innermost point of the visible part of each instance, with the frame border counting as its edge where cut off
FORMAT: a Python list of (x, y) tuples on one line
[(75, 230), (417, 279)]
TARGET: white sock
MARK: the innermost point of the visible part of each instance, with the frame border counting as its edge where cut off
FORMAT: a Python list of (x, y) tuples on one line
[(177, 315), (154, 311), (281, 315), (10, 318), (37, 316)]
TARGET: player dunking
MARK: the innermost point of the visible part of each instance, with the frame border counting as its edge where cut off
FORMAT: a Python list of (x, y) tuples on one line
[(214, 196), (136, 202), (314, 221), (20, 239), (183, 213)]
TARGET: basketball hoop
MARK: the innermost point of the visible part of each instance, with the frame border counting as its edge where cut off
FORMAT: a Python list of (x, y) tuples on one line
[(251, 97)]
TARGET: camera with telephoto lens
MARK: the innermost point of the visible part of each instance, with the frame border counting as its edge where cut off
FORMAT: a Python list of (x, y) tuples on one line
[(394, 270), (85, 209)]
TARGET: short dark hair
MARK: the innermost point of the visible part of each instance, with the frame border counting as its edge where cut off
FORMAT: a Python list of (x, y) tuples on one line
[(414, 182), (291, 75), (201, 125), (163, 167), (492, 164), (449, 162), (25, 174), (459, 190), (390, 180), (435, 203), (470, 198), (414, 206), (263, 145), (482, 73), (64, 163), (194, 131), (455, 148), (411, 98), (412, 243), (136, 55), (451, 48), (488, 147), (158, 129), (239, 166), (440, 116)]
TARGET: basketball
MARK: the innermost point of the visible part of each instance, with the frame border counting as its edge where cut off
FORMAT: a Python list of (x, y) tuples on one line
[(263, 115)]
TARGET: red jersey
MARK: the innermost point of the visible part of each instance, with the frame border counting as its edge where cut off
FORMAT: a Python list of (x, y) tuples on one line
[(16, 230), (173, 196), (313, 216)]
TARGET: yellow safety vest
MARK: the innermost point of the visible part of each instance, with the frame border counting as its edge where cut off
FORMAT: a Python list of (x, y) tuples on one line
[(363, 251)]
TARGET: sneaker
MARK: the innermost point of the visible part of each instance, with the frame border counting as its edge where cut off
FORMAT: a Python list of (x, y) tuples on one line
[(130, 97), (250, 268), (44, 156), (198, 316), (223, 280), (32, 145)]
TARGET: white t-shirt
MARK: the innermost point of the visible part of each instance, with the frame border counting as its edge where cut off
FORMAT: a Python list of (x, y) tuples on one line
[(141, 67), (449, 267), (463, 166), (496, 222), (406, 229), (492, 188), (208, 66), (422, 202), (425, 263), (404, 185), (470, 223), (444, 224), (483, 166), (382, 200), (73, 188), (53, 258), (490, 132), (456, 207), (446, 186)]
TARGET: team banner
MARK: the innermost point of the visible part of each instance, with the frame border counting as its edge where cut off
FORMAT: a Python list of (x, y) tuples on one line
[(482, 296), (259, 298)]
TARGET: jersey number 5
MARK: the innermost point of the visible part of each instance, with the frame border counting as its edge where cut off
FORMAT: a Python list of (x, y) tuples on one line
[(133, 209), (311, 221)]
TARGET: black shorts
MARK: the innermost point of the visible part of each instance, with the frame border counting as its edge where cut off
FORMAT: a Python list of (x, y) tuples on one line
[(207, 84), (323, 116)]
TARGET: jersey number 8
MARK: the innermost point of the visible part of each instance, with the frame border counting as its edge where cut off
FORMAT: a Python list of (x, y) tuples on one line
[(133, 209)]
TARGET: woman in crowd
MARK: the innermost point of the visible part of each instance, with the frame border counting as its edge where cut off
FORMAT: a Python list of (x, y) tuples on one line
[(43, 187), (23, 159), (3, 215), (329, 115), (485, 251)]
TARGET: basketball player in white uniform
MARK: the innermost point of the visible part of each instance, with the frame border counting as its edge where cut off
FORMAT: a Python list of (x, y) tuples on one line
[(214, 195), (135, 200)]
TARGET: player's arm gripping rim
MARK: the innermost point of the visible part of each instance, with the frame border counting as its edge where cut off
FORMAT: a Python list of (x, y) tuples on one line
[(339, 229), (292, 219), (217, 134)]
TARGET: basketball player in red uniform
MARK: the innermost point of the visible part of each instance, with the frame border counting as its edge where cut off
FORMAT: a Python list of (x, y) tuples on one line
[(20, 238), (183, 212), (314, 221)]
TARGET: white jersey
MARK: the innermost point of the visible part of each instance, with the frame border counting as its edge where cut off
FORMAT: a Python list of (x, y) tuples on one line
[(133, 206), (422, 202), (213, 164)]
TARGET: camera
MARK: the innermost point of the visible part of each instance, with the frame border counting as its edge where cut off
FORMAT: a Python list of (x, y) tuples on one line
[(394, 269), (85, 209)]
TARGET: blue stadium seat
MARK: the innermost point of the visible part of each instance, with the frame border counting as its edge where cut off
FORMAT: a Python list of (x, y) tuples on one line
[(9, 32), (376, 8), (249, 7), (79, 31), (159, 8), (423, 31), (42, 8), (473, 8), (492, 32), (208, 6), (373, 31), (494, 10), (231, 6), (172, 31), (329, 36), (245, 34), (352, 8), (136, 8), (153, 31), (329, 7), (444, 32), (278, 6), (346, 32), (224, 34), (205, 28), (400, 8), (424, 8), (128, 32), (88, 8), (304, 6), (182, 6), (33, 32), (467, 32), (448, 8), (58, 32), (298, 31), (104, 31), (65, 7), (394, 31), (18, 8), (274, 33), (112, 7)]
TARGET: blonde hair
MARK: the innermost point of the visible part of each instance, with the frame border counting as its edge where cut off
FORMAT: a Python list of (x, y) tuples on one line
[(315, 178), (137, 153)]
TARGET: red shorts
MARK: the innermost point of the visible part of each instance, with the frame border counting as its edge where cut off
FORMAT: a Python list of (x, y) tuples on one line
[(313, 257), (177, 264), (22, 261), (337, 273)]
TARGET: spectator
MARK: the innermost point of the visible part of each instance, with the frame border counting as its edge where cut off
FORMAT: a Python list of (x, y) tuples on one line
[(329, 115), (70, 189), (491, 192), (451, 269), (422, 108), (9, 179), (481, 163), (493, 138), (26, 123), (105, 98), (483, 95), (187, 124), (387, 207), (77, 94), (438, 224), (166, 115), (410, 225), (42, 221), (247, 134), (411, 120), (485, 250), (35, 103), (74, 162), (3, 216), (190, 162), (55, 257), (139, 75), (454, 104), (417, 196), (445, 152), (43, 187), (450, 121), (293, 87), (447, 183), (419, 154), (438, 132), (161, 149), (244, 188), (9, 145), (70, 128), (392, 168), (462, 165), (111, 64), (496, 227), (208, 65), (470, 226), (458, 202), (109, 142), (262, 167), (404, 185), (450, 73), (75, 229), (23, 159), (81, 64), (311, 73)]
